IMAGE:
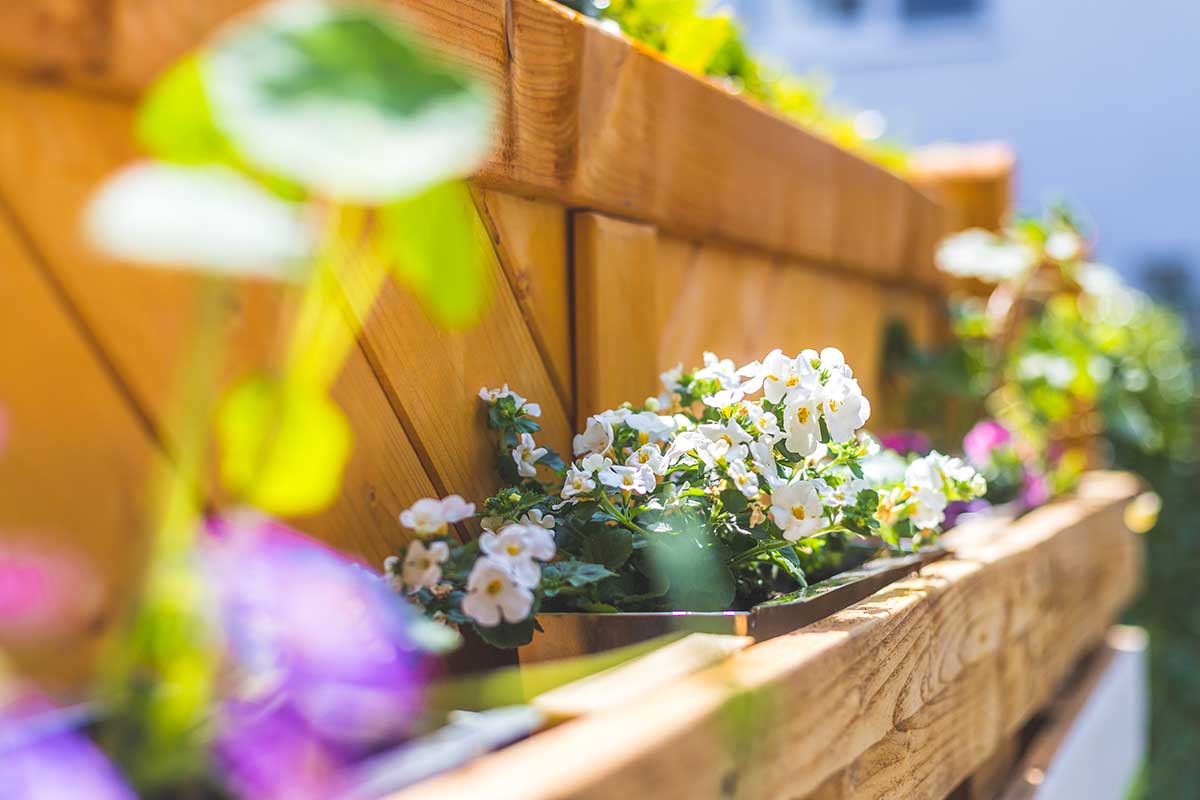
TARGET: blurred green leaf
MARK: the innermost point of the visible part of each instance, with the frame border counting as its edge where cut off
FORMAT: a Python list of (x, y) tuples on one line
[(434, 244), (174, 120), (284, 446)]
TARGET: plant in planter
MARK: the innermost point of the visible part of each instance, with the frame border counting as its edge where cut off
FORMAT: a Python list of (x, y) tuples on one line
[(735, 487)]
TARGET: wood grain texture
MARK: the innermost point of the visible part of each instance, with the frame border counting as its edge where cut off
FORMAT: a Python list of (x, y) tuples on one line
[(974, 182), (64, 146), (901, 695), (617, 324), (85, 498), (531, 242), (588, 119)]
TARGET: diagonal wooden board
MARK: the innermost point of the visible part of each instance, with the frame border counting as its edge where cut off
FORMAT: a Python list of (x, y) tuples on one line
[(902, 695)]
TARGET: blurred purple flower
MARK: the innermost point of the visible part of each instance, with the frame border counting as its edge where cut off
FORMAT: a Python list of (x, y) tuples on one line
[(319, 646), (985, 437), (906, 442), (43, 757), (958, 508), (1035, 489)]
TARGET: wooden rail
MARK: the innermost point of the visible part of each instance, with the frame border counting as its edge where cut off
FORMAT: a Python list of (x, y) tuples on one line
[(902, 695)]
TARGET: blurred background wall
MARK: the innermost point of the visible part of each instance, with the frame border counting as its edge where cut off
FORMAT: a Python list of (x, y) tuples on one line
[(1097, 97)]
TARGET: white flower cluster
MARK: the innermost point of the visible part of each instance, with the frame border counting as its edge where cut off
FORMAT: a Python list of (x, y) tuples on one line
[(501, 582), (929, 483), (978, 253), (809, 391)]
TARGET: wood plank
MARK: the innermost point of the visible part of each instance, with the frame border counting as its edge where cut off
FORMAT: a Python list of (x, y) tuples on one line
[(75, 464), (65, 145), (617, 325), (902, 695), (974, 182), (531, 242), (575, 99)]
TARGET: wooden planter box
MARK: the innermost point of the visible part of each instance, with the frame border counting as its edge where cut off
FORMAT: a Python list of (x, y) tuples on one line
[(903, 695)]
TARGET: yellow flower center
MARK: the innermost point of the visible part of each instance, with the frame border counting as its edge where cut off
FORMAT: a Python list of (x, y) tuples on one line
[(422, 563), (802, 414), (643, 437), (793, 380), (514, 549), (833, 406), (799, 513), (643, 457), (494, 586), (577, 483)]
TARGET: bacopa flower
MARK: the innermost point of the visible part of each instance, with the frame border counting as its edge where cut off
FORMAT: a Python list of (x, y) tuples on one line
[(780, 376), (490, 396), (536, 518), (430, 517), (578, 483), (631, 480), (829, 359), (651, 427), (845, 493), (1064, 245), (493, 594), (801, 421), (596, 438), (763, 423), (846, 409), (743, 479), (526, 455), (649, 455), (721, 370), (926, 482), (517, 546), (422, 566), (355, 682), (44, 757), (977, 253), (796, 508)]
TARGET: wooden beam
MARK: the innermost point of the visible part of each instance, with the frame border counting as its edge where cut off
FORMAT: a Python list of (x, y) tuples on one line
[(588, 119), (902, 695)]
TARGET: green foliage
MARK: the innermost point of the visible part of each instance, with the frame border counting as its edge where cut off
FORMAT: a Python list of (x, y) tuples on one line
[(174, 120), (284, 446), (436, 247)]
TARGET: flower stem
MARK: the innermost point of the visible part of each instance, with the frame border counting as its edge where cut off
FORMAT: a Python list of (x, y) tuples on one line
[(621, 517), (772, 545)]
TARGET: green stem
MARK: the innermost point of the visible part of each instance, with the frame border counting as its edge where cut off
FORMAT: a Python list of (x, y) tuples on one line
[(621, 517), (778, 544)]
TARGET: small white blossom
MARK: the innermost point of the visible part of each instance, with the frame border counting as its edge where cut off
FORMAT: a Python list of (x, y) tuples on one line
[(925, 481), (493, 593), (977, 253), (801, 421), (846, 409), (780, 377), (763, 455), (430, 517), (651, 427), (743, 479), (423, 565), (492, 395), (670, 378), (537, 519), (1064, 245), (844, 494), (596, 462), (597, 437), (724, 398), (578, 483), (796, 509), (631, 480), (519, 545), (721, 370), (526, 455), (650, 455), (764, 423)]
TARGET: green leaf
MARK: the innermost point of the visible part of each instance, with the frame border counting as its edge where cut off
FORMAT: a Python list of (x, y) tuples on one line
[(174, 120), (558, 574), (606, 545), (699, 579), (435, 246), (507, 635), (284, 447), (340, 99)]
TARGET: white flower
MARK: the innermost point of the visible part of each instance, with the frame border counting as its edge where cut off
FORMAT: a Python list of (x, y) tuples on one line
[(801, 421), (745, 480), (650, 426), (724, 398), (763, 455), (429, 517), (526, 455), (844, 494), (650, 455), (683, 444), (763, 423), (977, 253), (721, 370), (926, 482), (597, 437), (846, 409), (492, 395), (796, 509), (491, 523), (535, 518), (780, 377), (595, 463), (731, 432), (833, 362), (631, 480), (1064, 245), (519, 545), (670, 378), (423, 565), (493, 593), (578, 483)]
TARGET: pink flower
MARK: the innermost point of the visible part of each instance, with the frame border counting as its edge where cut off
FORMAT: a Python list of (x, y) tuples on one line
[(44, 592), (1035, 489), (985, 437), (906, 442)]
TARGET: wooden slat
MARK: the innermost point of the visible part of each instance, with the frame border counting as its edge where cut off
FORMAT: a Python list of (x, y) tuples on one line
[(589, 119), (902, 695), (617, 325), (86, 496), (973, 181), (531, 241), (64, 145)]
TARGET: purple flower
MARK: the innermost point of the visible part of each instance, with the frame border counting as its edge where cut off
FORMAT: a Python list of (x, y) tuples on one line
[(958, 508), (43, 757), (323, 663), (981, 440), (906, 442), (1035, 489)]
